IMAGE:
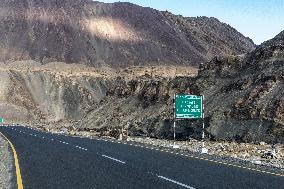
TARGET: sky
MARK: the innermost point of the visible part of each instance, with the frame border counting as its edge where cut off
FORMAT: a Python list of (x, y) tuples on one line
[(258, 19)]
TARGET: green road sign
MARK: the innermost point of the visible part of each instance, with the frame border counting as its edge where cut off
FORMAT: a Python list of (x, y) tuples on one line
[(188, 107), (1, 120)]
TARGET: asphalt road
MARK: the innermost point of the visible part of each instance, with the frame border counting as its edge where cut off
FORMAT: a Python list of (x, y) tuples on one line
[(57, 161)]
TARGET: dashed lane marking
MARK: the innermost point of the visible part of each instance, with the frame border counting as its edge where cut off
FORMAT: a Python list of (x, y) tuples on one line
[(123, 162), (175, 182)]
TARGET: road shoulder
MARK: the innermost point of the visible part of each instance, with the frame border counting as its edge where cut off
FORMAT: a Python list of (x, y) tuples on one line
[(6, 164)]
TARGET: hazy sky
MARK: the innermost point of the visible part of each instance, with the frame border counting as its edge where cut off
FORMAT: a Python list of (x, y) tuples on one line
[(258, 19)]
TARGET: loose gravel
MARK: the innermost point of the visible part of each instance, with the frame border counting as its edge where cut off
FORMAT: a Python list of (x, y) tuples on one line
[(6, 168)]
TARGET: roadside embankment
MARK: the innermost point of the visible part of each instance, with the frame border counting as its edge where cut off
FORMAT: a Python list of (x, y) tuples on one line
[(5, 164)]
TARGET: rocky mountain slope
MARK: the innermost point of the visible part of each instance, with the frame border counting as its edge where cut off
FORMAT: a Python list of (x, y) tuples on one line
[(244, 99), (115, 35), (244, 96)]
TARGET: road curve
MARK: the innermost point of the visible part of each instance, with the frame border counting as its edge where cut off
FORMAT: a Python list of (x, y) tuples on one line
[(57, 161)]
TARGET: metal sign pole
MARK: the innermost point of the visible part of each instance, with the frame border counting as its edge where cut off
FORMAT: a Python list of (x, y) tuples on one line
[(175, 146), (174, 118), (203, 127), (174, 131), (203, 150)]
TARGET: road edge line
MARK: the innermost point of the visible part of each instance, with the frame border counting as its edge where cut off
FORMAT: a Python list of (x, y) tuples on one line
[(17, 166)]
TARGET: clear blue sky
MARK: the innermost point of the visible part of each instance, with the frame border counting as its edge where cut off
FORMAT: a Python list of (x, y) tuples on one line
[(258, 19)]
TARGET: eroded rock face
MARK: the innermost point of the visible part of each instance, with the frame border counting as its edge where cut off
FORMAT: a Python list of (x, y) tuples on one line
[(119, 34), (41, 96), (245, 94)]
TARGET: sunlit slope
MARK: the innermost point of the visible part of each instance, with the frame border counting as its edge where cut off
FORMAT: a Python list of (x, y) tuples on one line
[(119, 34)]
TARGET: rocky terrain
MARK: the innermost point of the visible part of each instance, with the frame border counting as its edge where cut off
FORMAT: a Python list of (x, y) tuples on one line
[(5, 165), (244, 100), (245, 94), (258, 154), (113, 35), (246, 107)]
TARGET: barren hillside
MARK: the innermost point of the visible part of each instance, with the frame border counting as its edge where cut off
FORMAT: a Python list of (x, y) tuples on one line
[(244, 99), (118, 34)]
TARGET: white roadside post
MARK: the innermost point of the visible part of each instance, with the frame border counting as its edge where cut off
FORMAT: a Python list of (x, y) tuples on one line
[(203, 149), (175, 146)]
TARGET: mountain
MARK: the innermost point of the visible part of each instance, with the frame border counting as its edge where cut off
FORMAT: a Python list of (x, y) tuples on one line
[(244, 100), (115, 35), (245, 96)]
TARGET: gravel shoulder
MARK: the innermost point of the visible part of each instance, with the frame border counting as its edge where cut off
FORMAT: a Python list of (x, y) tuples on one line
[(6, 165)]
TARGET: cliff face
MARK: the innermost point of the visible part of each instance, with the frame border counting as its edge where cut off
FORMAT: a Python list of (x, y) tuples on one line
[(245, 95), (48, 96), (138, 98), (119, 34)]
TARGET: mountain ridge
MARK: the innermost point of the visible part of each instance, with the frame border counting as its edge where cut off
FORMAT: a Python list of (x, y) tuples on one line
[(115, 35)]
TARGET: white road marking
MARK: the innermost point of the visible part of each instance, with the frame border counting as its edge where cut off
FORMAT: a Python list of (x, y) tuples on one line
[(176, 182), (113, 159)]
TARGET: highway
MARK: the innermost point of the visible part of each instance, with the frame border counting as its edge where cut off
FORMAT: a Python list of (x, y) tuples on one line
[(57, 161)]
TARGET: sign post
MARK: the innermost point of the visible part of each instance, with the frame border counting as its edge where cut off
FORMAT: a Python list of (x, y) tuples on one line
[(190, 107), (203, 149), (175, 146)]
